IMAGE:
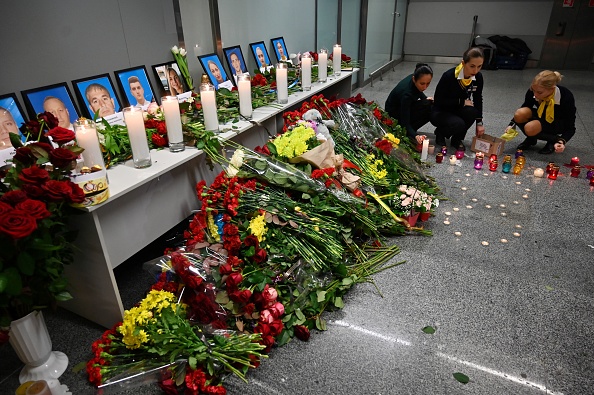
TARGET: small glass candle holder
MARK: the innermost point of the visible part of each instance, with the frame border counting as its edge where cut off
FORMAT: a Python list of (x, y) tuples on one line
[(575, 171), (134, 120), (507, 158), (492, 158), (549, 167), (575, 161), (538, 172), (444, 150), (439, 157), (430, 149), (521, 160), (453, 159), (478, 161), (460, 152), (554, 172), (493, 165), (519, 153), (592, 181), (506, 166), (517, 169), (590, 174)]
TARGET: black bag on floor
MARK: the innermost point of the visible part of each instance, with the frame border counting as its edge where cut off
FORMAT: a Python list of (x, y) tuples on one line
[(489, 51)]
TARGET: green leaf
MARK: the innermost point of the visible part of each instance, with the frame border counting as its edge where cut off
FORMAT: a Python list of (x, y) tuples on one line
[(12, 281), (26, 263), (192, 362), (549, 288), (63, 296), (321, 296), (321, 324), (222, 297), (256, 277), (306, 196), (338, 302), (341, 270), (429, 330), (299, 314), (347, 281), (461, 377)]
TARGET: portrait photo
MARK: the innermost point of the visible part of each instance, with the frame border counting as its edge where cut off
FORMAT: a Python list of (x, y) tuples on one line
[(280, 49), (136, 87), (172, 83), (96, 95), (11, 119), (214, 69), (260, 54), (55, 99), (235, 61)]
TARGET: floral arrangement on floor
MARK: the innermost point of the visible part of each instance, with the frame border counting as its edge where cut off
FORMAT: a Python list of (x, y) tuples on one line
[(35, 198)]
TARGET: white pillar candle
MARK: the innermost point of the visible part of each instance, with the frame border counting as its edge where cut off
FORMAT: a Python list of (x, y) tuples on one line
[(425, 149), (244, 86), (134, 120), (208, 99), (306, 71), (175, 134), (282, 88), (323, 65), (86, 137), (336, 58)]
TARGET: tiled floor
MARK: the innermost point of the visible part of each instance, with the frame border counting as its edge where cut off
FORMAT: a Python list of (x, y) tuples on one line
[(515, 317)]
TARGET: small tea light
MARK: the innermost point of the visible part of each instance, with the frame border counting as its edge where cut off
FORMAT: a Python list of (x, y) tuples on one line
[(485, 243), (474, 199), (448, 213), (575, 161), (487, 206), (525, 196), (469, 207), (503, 240), (456, 209), (446, 222), (453, 159), (517, 234), (463, 188), (539, 172), (458, 234), (504, 214)]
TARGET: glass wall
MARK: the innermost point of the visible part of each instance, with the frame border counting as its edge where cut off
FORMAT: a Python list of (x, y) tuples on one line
[(378, 45), (351, 29), (399, 27), (327, 23)]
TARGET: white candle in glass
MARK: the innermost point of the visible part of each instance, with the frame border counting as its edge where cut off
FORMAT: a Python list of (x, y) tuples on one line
[(208, 98), (244, 86), (306, 71), (282, 87), (134, 120), (538, 172), (336, 58), (453, 159), (323, 65), (425, 149), (173, 121), (86, 137)]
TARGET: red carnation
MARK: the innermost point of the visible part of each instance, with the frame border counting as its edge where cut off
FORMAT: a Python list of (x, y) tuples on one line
[(158, 140)]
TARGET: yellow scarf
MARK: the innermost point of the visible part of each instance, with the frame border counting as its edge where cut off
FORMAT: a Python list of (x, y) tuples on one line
[(464, 82), (550, 103)]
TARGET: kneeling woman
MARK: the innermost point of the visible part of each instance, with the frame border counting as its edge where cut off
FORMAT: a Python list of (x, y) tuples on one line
[(408, 104), (548, 113)]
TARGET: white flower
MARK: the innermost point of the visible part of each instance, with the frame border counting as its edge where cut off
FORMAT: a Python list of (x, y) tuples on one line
[(235, 163), (175, 50), (182, 52)]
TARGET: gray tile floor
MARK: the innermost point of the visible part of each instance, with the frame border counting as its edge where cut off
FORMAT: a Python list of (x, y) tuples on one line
[(516, 317)]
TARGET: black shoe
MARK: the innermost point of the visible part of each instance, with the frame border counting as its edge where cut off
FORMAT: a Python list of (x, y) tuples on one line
[(439, 141), (549, 148), (458, 145), (526, 144)]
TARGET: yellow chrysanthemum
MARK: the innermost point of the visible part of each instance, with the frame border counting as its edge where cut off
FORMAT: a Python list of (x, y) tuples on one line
[(212, 228), (258, 227), (294, 142), (376, 167), (392, 139)]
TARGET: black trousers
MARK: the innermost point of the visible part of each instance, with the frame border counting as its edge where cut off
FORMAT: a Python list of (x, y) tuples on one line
[(420, 113), (455, 123)]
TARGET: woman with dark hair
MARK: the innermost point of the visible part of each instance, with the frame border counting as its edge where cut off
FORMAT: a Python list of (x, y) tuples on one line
[(458, 100), (548, 113), (408, 104)]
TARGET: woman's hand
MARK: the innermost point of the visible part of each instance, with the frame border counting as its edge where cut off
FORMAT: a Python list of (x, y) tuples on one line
[(559, 147), (420, 138), (480, 130), (469, 103)]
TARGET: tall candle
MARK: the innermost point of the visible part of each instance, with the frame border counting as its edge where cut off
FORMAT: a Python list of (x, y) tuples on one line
[(336, 58), (323, 65), (282, 87), (425, 149), (208, 99), (173, 121), (244, 86), (306, 71), (135, 124), (86, 137)]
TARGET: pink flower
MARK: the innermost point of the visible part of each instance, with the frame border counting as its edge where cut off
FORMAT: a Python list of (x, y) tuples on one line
[(266, 317), (277, 310)]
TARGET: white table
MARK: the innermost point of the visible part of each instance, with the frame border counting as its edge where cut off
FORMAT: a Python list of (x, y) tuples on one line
[(146, 203)]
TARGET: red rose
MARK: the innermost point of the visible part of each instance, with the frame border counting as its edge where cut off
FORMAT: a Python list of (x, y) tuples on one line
[(77, 195), (234, 280), (13, 197), (37, 209), (50, 120), (33, 191), (61, 135), (269, 295), (249, 308), (24, 156), (57, 190), (254, 360), (225, 269), (17, 224), (260, 256), (277, 310), (301, 332), (241, 296), (276, 327), (32, 129), (61, 157), (266, 317), (161, 128), (34, 175), (5, 207), (251, 240), (168, 386), (262, 328), (267, 341)]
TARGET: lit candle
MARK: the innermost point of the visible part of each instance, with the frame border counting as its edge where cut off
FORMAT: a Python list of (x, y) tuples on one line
[(460, 152), (306, 71), (39, 387), (336, 59), (174, 125), (574, 161), (453, 160), (590, 174), (444, 150), (478, 161), (592, 181), (439, 157), (538, 172), (554, 172), (208, 98), (549, 167), (135, 123), (493, 165), (244, 86), (282, 88), (323, 65), (575, 171), (86, 137), (425, 149)]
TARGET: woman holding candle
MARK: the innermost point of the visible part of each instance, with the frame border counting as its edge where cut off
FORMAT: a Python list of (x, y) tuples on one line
[(408, 104), (548, 113), (458, 100)]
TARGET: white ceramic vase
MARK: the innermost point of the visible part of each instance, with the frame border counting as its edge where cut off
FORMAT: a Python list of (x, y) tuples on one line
[(31, 341)]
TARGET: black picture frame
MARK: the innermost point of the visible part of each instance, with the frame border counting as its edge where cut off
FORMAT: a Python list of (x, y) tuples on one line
[(235, 51), (43, 99), (125, 78), (97, 93), (254, 48), (11, 119), (162, 71), (210, 63), (276, 42)]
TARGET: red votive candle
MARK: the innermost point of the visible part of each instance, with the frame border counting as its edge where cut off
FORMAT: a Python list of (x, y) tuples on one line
[(575, 172), (554, 172), (549, 167), (592, 181), (439, 157), (575, 161), (493, 165)]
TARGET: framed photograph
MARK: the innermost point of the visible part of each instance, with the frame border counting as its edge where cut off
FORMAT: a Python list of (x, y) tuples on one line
[(280, 49), (11, 118), (56, 99), (260, 54), (136, 87), (96, 94), (172, 83), (214, 68), (235, 61)]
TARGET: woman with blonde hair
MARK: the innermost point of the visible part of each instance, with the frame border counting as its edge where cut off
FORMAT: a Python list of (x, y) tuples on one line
[(548, 113)]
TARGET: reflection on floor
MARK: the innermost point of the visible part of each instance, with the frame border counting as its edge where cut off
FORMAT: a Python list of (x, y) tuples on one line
[(511, 295)]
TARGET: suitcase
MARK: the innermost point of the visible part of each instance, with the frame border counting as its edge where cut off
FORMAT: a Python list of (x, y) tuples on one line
[(514, 62)]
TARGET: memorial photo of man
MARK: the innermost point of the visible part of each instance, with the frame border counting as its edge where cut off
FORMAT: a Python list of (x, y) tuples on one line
[(57, 107), (7, 126), (137, 91), (100, 100)]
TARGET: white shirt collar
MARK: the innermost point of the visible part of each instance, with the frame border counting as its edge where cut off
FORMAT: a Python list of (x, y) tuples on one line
[(461, 76)]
